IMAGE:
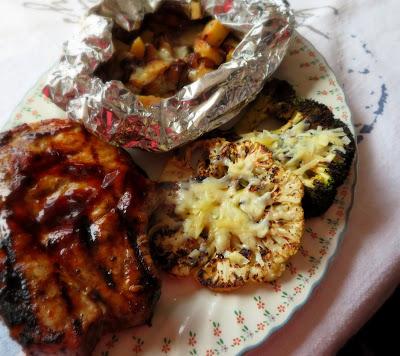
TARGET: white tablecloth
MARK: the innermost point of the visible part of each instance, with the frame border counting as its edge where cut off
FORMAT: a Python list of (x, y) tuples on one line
[(361, 41)]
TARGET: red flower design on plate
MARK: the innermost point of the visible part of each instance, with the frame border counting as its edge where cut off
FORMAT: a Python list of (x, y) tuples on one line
[(236, 341), (210, 353), (281, 308), (18, 116), (311, 54), (240, 319), (277, 287), (260, 326), (303, 252), (217, 331), (297, 289), (322, 252), (292, 269), (192, 341), (260, 305), (35, 113), (166, 348)]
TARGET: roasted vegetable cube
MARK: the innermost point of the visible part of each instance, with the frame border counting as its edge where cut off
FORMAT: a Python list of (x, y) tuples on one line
[(206, 51), (146, 75), (214, 33)]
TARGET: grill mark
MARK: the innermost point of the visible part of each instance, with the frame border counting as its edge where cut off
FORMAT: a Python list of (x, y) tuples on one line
[(108, 277), (85, 234), (77, 326), (148, 278), (78, 170), (64, 294), (53, 337), (84, 261), (15, 304)]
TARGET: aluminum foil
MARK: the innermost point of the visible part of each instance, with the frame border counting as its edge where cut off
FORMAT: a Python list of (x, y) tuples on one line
[(112, 112)]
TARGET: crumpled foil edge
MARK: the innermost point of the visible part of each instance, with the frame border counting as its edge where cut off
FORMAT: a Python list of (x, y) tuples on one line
[(112, 112)]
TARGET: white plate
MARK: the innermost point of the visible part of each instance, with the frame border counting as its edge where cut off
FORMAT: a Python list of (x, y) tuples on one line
[(190, 320)]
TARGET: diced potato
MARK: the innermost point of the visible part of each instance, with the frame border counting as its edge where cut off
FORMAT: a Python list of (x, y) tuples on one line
[(147, 36), (145, 75), (196, 11), (137, 48), (149, 100), (214, 33), (196, 74), (206, 51)]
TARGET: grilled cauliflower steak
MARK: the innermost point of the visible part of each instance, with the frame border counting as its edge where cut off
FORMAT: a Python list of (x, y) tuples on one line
[(238, 218), (315, 146), (312, 143)]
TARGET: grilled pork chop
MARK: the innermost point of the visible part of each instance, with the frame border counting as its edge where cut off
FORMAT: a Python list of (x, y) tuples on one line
[(74, 258)]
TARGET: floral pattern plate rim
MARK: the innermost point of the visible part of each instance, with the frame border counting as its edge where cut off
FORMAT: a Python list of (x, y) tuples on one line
[(190, 320)]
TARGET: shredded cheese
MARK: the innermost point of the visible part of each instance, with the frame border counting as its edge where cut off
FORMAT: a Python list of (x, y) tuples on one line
[(301, 149), (223, 208)]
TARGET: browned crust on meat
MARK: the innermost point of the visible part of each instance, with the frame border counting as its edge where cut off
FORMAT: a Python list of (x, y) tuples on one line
[(74, 255)]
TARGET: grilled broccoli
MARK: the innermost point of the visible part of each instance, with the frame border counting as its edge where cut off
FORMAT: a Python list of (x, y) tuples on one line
[(274, 101), (316, 146)]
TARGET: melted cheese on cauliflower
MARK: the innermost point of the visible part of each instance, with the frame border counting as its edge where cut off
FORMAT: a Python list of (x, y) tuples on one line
[(238, 225), (301, 149), (224, 208), (218, 207)]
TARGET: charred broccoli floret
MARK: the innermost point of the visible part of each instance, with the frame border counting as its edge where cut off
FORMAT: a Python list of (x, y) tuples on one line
[(274, 101), (317, 147)]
